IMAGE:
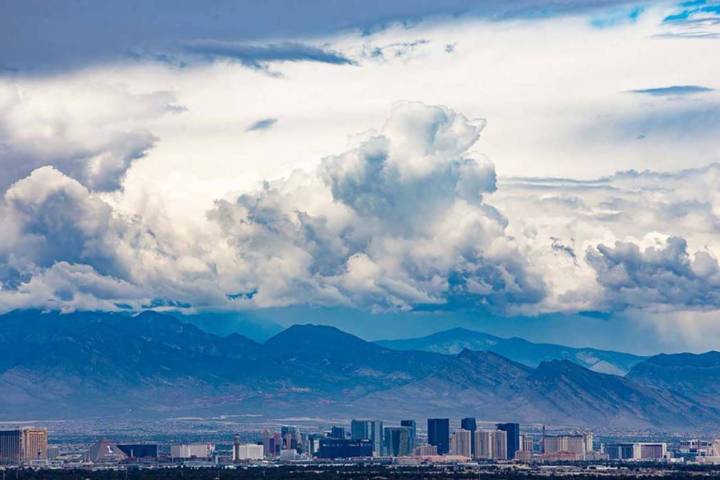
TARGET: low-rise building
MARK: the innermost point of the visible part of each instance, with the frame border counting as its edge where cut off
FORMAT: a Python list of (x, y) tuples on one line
[(192, 450)]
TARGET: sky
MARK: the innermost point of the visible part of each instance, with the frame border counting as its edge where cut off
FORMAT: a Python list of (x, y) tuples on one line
[(541, 169)]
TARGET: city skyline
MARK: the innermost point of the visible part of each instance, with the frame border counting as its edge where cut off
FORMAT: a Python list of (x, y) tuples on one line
[(30, 446), (471, 237)]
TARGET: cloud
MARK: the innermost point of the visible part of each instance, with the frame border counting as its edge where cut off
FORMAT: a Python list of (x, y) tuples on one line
[(617, 16), (65, 247), (696, 19), (61, 246), (398, 222), (94, 139), (649, 238), (659, 275), (55, 218), (673, 90), (406, 219), (76, 37), (394, 50), (264, 124), (258, 56)]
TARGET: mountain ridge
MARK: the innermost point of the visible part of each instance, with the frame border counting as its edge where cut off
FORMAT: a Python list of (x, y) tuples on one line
[(517, 349), (154, 364)]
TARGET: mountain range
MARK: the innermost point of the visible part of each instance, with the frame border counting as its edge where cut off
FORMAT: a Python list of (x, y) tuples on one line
[(109, 365), (517, 349)]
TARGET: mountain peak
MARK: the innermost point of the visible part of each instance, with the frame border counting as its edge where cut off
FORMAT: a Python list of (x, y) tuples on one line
[(302, 337), (707, 359)]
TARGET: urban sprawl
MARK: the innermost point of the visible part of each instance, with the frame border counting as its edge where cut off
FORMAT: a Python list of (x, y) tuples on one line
[(361, 441)]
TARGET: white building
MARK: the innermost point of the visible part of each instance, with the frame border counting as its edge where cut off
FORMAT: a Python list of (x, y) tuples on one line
[(193, 450), (575, 445), (491, 444), (249, 451), (461, 443)]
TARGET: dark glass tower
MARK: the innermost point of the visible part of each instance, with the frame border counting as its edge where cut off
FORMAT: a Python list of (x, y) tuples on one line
[(513, 437), (413, 432), (469, 423), (439, 434)]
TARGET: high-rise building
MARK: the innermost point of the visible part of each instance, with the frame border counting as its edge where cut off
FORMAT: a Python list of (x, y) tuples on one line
[(589, 447), (576, 444), (35, 441), (526, 443), (337, 432), (23, 445), (371, 430), (313, 442), (267, 449), (460, 443), (290, 438), (439, 434), (491, 444), (470, 424), (500, 447), (413, 432), (10, 446), (248, 451), (397, 441), (513, 437), (274, 445), (526, 451)]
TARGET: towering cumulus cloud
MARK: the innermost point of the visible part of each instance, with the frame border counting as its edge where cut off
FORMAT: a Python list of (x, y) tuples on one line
[(397, 222)]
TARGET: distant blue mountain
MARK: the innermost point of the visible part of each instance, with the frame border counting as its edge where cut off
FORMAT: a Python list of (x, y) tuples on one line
[(224, 324), (695, 376), (98, 364), (518, 350)]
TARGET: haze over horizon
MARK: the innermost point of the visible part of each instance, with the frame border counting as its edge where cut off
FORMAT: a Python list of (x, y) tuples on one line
[(547, 170)]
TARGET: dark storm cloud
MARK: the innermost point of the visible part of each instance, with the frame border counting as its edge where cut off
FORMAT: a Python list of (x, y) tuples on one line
[(38, 36), (257, 56), (673, 90), (264, 124), (664, 274)]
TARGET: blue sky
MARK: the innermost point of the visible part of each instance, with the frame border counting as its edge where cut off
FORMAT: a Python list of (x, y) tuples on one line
[(406, 165)]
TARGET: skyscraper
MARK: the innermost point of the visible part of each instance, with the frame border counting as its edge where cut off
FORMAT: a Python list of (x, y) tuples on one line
[(469, 424), (491, 444), (513, 437), (337, 432), (290, 437), (10, 446), (23, 444), (397, 441), (413, 432), (368, 430), (460, 443), (439, 434)]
